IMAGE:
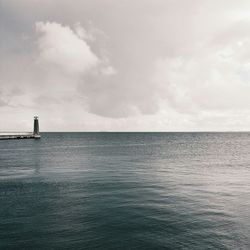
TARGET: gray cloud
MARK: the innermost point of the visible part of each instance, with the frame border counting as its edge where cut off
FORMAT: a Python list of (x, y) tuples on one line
[(2, 102), (126, 64)]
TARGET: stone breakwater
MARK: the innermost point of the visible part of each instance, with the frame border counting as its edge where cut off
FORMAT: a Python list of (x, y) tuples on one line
[(9, 136)]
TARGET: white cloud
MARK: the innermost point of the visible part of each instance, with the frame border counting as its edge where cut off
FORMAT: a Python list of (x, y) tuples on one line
[(82, 33), (172, 65), (212, 79), (61, 46), (109, 70)]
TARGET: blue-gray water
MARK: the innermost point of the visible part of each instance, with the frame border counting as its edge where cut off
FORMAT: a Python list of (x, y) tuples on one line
[(126, 191)]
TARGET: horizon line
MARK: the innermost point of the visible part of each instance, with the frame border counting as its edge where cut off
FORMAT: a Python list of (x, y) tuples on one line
[(181, 131)]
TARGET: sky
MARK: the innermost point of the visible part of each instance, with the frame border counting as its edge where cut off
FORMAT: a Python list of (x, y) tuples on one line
[(127, 65)]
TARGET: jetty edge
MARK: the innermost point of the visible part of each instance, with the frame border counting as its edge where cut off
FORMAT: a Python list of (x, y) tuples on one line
[(22, 135)]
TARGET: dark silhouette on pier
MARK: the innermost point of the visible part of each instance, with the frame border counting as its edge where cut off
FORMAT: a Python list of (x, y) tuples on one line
[(36, 128)]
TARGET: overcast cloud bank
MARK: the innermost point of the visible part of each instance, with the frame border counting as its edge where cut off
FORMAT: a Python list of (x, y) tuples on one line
[(125, 65)]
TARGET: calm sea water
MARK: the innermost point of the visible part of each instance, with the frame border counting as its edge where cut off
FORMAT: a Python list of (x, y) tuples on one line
[(126, 191)]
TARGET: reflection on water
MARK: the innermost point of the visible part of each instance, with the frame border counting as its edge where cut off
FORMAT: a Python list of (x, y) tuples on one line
[(126, 191)]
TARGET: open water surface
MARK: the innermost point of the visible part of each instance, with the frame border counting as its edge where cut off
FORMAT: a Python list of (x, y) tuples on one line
[(126, 191)]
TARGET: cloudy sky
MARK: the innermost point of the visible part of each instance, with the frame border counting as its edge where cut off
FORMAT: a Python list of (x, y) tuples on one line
[(127, 65)]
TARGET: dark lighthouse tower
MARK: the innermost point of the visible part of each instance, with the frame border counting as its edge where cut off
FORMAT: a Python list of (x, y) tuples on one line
[(36, 128)]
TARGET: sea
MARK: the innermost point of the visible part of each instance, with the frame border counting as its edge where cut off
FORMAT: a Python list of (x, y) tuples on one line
[(126, 191)]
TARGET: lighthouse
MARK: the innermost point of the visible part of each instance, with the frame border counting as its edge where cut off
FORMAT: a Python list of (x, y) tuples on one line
[(36, 128), (22, 135)]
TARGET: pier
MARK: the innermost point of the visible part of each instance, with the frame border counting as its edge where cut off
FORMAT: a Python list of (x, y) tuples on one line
[(24, 135)]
